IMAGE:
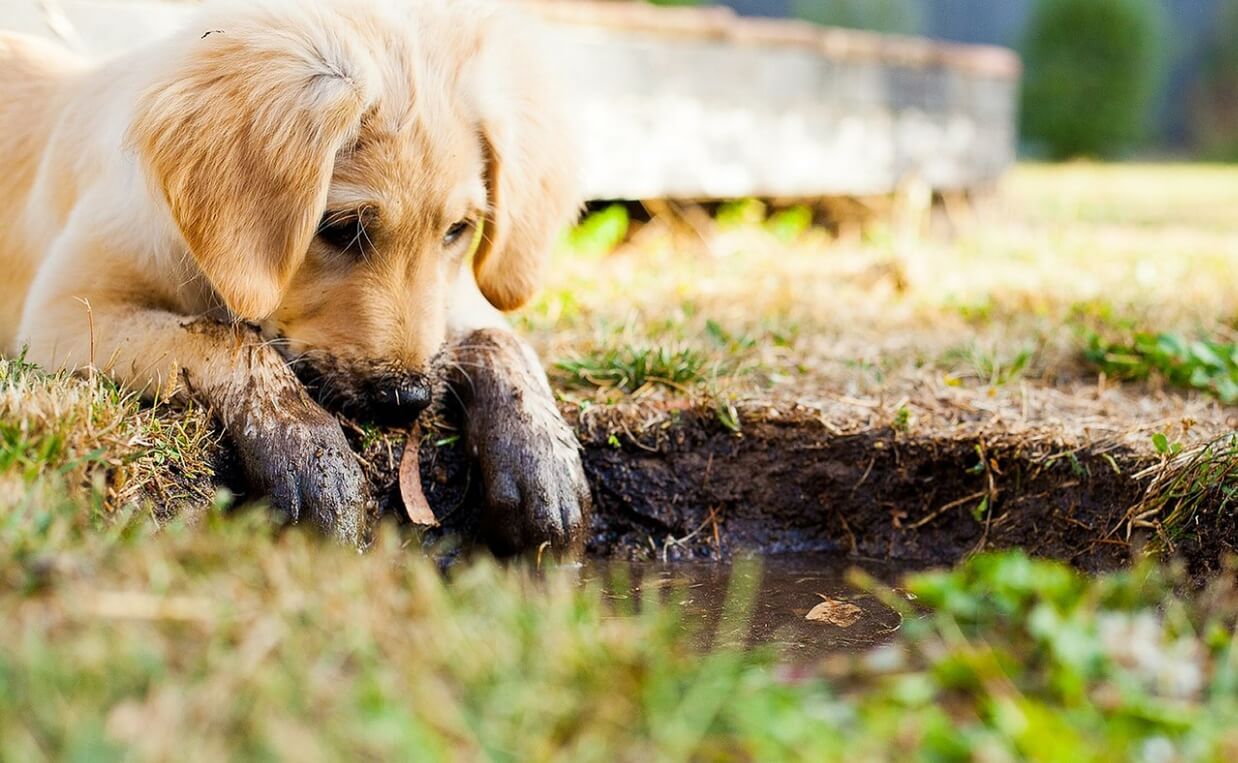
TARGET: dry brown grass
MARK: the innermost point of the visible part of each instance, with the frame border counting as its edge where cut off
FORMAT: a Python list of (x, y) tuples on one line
[(977, 313)]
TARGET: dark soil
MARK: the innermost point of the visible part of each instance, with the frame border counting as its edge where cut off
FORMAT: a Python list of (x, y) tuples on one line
[(790, 485), (688, 488)]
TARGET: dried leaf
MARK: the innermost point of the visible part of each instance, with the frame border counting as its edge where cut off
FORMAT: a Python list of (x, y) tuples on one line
[(844, 614), (411, 494)]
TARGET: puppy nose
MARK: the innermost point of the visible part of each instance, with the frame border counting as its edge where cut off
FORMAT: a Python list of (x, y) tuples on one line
[(400, 403)]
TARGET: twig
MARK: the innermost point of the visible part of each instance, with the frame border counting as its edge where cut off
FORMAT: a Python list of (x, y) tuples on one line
[(90, 328), (947, 507), (864, 478)]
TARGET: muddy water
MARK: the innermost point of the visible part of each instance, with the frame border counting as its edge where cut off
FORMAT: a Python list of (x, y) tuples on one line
[(787, 589)]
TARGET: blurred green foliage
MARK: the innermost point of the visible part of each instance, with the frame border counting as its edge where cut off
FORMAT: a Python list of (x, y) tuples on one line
[(1204, 365), (902, 16), (1092, 70), (1215, 101), (601, 231), (786, 225)]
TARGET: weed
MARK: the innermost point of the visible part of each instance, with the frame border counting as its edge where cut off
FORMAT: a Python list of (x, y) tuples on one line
[(902, 419), (632, 368), (980, 510), (370, 435), (726, 340), (728, 416), (1200, 364), (1164, 447), (987, 366)]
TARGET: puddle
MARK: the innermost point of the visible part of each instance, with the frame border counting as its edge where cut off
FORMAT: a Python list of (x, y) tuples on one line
[(788, 589)]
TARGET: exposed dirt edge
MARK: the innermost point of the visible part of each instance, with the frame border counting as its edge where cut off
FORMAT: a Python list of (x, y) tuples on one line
[(789, 483), (679, 484)]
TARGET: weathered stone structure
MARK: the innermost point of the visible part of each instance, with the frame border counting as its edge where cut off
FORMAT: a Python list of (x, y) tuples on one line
[(702, 104)]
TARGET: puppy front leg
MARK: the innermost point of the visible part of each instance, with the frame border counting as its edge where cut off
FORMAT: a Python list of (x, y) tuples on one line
[(528, 456), (292, 451)]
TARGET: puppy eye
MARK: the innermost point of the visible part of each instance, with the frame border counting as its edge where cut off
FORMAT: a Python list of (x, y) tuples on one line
[(457, 231), (345, 232)]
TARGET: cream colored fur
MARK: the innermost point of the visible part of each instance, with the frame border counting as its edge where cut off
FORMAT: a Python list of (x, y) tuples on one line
[(187, 180)]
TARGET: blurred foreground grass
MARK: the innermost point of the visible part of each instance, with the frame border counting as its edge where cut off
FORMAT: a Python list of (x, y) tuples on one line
[(231, 640)]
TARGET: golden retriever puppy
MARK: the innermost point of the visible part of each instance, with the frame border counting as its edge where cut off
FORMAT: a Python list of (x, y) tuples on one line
[(275, 211)]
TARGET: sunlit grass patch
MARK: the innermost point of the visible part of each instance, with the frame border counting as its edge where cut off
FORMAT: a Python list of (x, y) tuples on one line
[(1060, 250), (84, 433), (1188, 195)]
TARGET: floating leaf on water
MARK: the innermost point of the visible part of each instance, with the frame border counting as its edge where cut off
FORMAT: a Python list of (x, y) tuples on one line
[(843, 614)]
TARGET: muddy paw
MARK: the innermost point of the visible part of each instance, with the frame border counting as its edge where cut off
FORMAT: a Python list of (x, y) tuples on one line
[(302, 463), (528, 456), (534, 484)]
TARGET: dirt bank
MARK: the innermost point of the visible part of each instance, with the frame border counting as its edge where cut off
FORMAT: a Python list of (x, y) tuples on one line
[(676, 483)]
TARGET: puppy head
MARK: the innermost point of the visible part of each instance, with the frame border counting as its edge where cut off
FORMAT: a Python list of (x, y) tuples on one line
[(331, 165)]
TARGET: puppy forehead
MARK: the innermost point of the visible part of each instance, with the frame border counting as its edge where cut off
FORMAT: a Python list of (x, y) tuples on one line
[(418, 146), (429, 164)]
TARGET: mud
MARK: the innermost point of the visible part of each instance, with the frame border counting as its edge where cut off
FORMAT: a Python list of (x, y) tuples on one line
[(687, 488)]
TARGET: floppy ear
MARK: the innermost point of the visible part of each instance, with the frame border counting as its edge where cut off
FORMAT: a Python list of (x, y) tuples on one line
[(241, 138), (531, 170)]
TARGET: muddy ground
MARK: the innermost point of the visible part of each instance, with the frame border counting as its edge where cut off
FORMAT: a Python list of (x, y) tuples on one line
[(675, 483)]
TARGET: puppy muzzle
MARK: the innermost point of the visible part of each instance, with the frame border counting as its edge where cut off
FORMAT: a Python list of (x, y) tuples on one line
[(373, 395)]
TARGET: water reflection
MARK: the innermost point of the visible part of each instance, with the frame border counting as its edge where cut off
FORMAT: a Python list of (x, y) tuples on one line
[(788, 588)]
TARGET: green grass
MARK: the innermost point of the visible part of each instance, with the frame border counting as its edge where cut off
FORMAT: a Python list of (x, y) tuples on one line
[(1199, 364), (59, 432), (986, 365), (632, 369), (235, 641)]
